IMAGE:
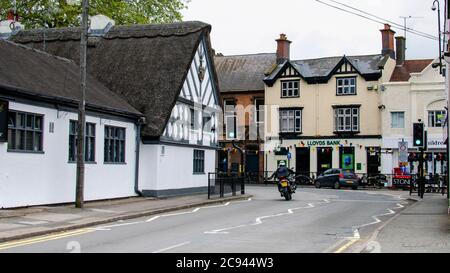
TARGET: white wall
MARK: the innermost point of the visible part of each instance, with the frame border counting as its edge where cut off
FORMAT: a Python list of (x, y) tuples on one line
[(34, 179), (173, 169)]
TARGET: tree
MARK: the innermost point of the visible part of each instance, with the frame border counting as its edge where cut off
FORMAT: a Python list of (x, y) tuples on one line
[(66, 13)]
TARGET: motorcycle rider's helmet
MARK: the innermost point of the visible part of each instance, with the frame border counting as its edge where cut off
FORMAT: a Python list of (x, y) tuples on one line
[(282, 164)]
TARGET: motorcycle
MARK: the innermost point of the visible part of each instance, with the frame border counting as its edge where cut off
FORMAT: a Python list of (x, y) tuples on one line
[(286, 188)]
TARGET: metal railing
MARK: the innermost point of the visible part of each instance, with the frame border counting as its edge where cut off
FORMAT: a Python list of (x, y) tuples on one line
[(366, 180), (222, 184)]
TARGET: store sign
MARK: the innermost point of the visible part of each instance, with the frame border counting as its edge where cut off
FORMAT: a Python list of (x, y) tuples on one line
[(401, 181), (323, 143), (3, 121)]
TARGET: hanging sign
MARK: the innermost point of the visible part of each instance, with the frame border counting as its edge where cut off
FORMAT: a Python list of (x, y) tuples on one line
[(403, 152), (3, 121)]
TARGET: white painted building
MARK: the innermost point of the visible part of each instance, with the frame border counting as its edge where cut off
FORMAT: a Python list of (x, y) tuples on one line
[(415, 92), (38, 94), (167, 73)]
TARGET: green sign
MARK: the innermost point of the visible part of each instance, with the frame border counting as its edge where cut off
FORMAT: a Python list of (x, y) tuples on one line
[(348, 161), (285, 162), (358, 166)]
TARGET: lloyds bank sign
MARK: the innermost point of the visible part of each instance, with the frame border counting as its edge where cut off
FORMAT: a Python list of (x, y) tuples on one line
[(312, 143)]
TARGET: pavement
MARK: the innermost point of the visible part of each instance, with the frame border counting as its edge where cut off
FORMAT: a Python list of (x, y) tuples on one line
[(23, 223)]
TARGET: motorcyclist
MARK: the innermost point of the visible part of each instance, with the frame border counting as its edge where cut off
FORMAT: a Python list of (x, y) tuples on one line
[(283, 171)]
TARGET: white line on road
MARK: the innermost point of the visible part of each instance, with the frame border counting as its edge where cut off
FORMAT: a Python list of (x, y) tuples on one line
[(171, 247), (195, 210), (151, 219), (259, 220), (106, 228)]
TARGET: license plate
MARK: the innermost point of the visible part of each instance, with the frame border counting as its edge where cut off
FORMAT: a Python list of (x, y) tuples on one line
[(284, 184), (349, 182)]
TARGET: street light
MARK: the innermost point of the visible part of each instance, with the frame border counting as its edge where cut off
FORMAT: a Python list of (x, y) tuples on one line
[(439, 29)]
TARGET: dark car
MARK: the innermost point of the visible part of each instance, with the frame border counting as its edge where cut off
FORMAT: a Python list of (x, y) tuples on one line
[(337, 178)]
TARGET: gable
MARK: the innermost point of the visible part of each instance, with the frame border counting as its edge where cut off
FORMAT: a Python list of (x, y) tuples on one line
[(345, 67), (199, 85), (193, 119), (290, 72)]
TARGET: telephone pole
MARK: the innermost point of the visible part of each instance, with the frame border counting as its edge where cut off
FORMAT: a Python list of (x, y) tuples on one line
[(79, 198), (405, 18)]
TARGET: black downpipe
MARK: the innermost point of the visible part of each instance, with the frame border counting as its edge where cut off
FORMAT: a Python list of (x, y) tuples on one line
[(139, 124), (241, 167)]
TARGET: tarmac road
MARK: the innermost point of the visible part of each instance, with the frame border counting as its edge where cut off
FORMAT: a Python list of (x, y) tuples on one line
[(316, 220)]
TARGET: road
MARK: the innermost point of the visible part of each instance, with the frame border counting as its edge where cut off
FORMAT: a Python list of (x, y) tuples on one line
[(316, 220)]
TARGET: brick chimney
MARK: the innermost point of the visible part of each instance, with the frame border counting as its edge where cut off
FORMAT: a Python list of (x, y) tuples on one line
[(10, 15), (387, 36), (401, 49), (283, 49)]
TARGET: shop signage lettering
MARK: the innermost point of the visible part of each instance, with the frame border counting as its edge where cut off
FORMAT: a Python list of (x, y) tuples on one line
[(323, 142)]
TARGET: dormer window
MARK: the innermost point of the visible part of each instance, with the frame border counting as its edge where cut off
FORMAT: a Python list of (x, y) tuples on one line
[(290, 89), (346, 86)]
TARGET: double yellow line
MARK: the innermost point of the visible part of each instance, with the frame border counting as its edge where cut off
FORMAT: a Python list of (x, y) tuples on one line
[(346, 246), (46, 238)]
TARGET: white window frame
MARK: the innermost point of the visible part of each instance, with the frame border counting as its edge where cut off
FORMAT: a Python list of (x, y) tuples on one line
[(433, 121), (346, 86), (291, 117), (230, 117), (347, 119), (290, 89), (395, 120)]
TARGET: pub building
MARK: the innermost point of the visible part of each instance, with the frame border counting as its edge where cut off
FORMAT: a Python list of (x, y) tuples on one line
[(152, 100)]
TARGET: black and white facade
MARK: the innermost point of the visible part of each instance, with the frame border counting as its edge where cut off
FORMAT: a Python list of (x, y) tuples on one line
[(186, 151)]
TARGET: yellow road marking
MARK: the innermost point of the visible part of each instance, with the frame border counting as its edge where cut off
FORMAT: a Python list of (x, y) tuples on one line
[(346, 246), (45, 238)]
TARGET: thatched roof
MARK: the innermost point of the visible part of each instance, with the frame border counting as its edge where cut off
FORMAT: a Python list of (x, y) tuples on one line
[(31, 73), (243, 72), (146, 64)]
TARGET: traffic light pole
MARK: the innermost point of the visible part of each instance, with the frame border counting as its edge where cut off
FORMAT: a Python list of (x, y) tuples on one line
[(421, 177)]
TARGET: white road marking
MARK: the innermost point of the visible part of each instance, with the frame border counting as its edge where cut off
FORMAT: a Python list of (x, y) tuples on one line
[(171, 247), (259, 220), (151, 219), (356, 236), (105, 228), (195, 210)]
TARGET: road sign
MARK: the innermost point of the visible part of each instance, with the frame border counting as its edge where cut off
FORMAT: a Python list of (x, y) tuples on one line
[(402, 152)]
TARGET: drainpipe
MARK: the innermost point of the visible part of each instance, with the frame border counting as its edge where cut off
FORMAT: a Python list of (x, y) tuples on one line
[(241, 167), (139, 124)]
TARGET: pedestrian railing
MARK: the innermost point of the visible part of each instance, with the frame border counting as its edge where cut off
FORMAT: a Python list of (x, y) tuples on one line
[(222, 184)]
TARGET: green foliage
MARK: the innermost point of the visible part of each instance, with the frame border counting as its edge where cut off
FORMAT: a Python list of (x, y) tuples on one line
[(60, 13)]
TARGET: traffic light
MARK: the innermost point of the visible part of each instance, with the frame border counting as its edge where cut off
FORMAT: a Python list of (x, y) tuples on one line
[(418, 135)]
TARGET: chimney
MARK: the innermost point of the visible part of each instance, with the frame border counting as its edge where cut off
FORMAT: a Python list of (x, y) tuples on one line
[(283, 49), (387, 36), (401, 49), (10, 15)]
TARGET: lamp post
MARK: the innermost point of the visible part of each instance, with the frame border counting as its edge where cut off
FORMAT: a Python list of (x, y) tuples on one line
[(439, 29)]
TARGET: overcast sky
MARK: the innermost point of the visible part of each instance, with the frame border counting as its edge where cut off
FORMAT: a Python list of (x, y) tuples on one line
[(316, 30)]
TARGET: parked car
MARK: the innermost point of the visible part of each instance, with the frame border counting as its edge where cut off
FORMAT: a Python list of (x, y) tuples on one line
[(337, 178)]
